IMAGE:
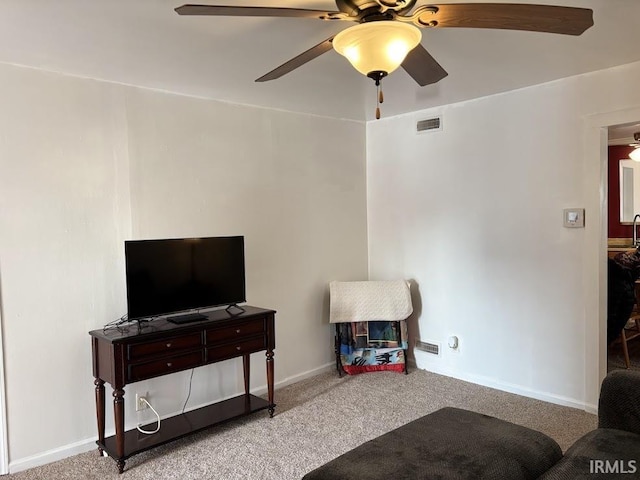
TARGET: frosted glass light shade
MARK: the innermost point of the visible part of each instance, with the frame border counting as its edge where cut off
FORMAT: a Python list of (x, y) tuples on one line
[(635, 154), (377, 46)]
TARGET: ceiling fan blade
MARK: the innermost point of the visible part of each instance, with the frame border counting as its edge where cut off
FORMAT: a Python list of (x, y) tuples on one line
[(512, 16), (233, 11), (422, 67), (298, 61)]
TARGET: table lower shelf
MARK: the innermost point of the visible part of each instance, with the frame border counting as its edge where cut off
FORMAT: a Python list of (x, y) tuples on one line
[(184, 424)]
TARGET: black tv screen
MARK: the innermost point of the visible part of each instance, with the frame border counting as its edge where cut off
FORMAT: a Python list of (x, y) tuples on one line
[(174, 275)]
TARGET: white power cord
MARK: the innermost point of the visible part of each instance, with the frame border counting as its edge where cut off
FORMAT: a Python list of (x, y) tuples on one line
[(147, 432)]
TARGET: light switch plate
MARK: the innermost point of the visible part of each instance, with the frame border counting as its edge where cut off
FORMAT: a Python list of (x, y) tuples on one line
[(573, 217)]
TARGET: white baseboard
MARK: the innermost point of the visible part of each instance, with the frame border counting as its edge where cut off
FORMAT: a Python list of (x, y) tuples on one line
[(53, 455), (513, 388), (297, 378), (82, 446), (590, 408)]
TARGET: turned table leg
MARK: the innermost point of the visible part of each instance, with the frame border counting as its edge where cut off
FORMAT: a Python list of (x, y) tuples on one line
[(99, 383), (118, 410), (246, 367), (272, 406)]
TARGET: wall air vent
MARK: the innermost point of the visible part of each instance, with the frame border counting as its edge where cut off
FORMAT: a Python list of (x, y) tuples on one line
[(429, 347), (429, 125)]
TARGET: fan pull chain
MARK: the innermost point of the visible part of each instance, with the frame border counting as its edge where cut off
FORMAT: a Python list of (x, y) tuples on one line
[(379, 100), (377, 76)]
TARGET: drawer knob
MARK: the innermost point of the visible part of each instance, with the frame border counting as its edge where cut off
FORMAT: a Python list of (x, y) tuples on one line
[(238, 331), (169, 364), (168, 345), (238, 347)]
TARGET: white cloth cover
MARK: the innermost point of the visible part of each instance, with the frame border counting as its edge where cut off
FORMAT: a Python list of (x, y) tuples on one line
[(369, 300)]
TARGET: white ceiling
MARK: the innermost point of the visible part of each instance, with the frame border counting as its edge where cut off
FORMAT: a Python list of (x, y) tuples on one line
[(623, 134), (145, 43)]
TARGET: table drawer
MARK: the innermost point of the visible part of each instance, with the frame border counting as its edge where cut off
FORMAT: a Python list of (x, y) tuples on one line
[(141, 371), (220, 352), (139, 351), (242, 330)]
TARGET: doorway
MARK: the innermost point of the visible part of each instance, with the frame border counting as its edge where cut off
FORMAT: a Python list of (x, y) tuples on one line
[(595, 155), (623, 187)]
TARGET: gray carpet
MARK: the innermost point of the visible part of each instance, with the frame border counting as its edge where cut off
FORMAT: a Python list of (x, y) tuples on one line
[(316, 420)]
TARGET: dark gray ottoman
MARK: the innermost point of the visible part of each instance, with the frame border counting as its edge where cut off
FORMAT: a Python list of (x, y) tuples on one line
[(445, 445)]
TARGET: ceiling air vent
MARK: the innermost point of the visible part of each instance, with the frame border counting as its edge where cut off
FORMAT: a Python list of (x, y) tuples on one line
[(429, 125), (429, 347)]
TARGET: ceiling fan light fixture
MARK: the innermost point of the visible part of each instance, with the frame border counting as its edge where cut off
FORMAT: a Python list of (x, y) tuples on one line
[(635, 153), (379, 46)]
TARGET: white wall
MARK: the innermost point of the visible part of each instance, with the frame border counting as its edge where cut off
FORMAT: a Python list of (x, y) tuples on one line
[(473, 214), (86, 165)]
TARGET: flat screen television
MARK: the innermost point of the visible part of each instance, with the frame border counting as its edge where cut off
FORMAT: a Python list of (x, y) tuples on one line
[(177, 275)]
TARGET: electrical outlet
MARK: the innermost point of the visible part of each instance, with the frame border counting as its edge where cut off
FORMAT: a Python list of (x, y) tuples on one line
[(140, 405)]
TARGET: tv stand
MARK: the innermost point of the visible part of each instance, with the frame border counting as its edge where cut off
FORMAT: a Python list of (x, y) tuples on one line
[(158, 348)]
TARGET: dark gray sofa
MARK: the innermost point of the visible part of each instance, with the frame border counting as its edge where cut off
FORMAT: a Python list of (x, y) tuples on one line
[(455, 444), (613, 449)]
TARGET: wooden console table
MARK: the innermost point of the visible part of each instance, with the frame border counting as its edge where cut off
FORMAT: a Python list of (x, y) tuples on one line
[(127, 355)]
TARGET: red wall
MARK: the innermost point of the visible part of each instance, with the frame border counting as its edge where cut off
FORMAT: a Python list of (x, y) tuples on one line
[(617, 153)]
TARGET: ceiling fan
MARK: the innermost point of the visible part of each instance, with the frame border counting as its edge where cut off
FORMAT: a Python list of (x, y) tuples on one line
[(635, 153), (383, 24)]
